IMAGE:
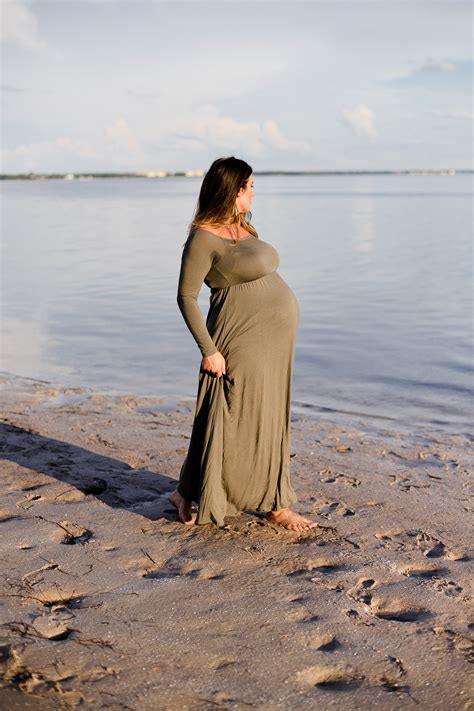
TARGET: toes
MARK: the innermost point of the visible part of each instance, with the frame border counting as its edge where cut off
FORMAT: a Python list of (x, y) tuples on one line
[(300, 524)]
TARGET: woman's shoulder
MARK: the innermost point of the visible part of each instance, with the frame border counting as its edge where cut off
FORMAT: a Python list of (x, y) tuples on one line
[(202, 235), (204, 229), (209, 230), (200, 241)]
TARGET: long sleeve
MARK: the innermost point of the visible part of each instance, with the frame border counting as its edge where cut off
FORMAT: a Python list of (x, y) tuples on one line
[(196, 262)]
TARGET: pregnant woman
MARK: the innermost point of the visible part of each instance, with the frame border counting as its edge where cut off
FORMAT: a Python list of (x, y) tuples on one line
[(239, 451)]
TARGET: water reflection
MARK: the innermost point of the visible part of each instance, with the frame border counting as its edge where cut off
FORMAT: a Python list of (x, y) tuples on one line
[(90, 273)]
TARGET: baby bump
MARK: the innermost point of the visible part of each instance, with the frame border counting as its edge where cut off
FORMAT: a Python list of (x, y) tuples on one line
[(277, 304), (264, 311)]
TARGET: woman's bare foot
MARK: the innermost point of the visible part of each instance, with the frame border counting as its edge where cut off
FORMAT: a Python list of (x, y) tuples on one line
[(183, 506), (291, 520)]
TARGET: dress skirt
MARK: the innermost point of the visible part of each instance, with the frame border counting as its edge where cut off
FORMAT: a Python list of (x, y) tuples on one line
[(239, 452)]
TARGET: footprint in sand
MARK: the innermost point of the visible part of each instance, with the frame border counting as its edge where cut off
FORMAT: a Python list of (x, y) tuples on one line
[(430, 546), (455, 641), (457, 554), (328, 584), (334, 507), (397, 609), (389, 672), (160, 574), (329, 477), (49, 587), (406, 483), (421, 569), (325, 642), (448, 587), (301, 568), (298, 599), (221, 697), (325, 565), (204, 574), (70, 533), (331, 676), (302, 615), (49, 681), (50, 629), (167, 570), (361, 591)]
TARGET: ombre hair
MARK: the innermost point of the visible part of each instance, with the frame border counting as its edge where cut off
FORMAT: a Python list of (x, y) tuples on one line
[(216, 203)]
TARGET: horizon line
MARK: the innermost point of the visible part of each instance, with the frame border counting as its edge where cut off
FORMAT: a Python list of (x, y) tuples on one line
[(153, 174)]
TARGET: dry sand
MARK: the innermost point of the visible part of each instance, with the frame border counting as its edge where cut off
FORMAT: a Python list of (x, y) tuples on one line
[(108, 602)]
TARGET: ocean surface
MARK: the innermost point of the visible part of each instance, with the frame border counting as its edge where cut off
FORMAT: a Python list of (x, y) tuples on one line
[(381, 266)]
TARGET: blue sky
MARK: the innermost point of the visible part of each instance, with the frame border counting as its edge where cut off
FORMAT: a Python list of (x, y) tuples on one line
[(316, 85)]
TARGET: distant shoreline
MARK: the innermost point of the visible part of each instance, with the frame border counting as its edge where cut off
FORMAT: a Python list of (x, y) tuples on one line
[(200, 173)]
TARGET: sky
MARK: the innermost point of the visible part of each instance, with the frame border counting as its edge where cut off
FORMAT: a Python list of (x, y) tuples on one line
[(316, 85)]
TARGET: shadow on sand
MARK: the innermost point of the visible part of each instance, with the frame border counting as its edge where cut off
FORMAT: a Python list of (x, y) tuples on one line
[(112, 481)]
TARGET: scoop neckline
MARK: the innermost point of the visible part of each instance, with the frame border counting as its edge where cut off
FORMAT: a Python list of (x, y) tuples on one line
[(232, 241)]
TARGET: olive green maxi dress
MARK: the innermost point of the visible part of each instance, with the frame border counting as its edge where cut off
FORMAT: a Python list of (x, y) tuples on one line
[(239, 452)]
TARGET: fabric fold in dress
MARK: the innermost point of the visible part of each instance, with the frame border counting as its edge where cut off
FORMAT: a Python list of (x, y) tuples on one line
[(239, 452)]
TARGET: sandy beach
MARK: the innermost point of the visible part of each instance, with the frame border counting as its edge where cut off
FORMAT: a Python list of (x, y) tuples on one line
[(107, 601)]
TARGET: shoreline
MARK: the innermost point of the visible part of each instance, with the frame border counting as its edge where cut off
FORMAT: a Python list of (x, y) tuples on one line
[(109, 600), (374, 423), (199, 173)]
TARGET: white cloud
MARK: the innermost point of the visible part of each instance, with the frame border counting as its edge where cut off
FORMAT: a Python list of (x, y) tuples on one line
[(120, 135), (74, 147), (436, 66), (33, 157), (210, 130), (19, 27), (66, 153), (204, 132), (273, 136), (361, 120), (469, 115)]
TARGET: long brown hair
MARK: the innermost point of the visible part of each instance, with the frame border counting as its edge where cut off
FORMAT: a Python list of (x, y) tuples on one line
[(216, 203)]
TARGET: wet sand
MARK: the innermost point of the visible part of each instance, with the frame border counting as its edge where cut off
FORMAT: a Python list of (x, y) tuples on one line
[(108, 602)]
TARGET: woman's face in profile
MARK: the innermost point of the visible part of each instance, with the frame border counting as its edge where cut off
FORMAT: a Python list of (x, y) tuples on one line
[(245, 195)]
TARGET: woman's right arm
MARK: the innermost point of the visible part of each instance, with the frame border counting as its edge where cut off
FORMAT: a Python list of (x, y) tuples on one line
[(196, 262)]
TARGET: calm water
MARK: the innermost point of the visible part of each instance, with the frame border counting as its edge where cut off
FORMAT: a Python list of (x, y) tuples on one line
[(381, 266)]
